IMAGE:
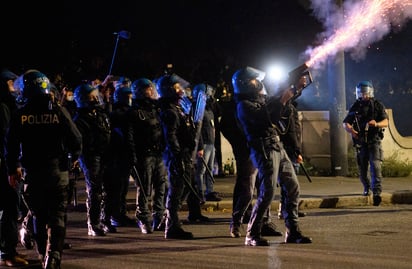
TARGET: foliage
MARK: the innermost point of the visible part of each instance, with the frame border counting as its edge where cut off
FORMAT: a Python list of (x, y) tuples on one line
[(392, 166)]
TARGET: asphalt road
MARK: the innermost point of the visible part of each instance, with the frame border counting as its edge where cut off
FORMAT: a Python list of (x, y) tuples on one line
[(359, 237)]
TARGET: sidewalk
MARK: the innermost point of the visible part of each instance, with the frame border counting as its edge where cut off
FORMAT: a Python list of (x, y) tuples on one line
[(325, 192), (322, 192)]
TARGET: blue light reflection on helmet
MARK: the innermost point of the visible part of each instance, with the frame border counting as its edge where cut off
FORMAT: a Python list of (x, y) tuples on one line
[(34, 83), (364, 88), (248, 80)]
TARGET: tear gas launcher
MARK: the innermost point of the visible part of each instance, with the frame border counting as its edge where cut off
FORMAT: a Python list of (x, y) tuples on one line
[(295, 76)]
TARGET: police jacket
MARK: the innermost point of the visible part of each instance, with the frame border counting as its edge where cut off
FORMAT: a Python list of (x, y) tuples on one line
[(94, 125), (147, 128), (121, 149), (255, 120), (178, 130), (7, 107), (41, 135), (360, 113), (229, 124)]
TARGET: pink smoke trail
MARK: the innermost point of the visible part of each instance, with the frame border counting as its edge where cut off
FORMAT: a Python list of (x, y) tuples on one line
[(362, 23)]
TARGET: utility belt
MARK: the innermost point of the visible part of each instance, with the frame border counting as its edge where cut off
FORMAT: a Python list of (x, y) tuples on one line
[(265, 143)]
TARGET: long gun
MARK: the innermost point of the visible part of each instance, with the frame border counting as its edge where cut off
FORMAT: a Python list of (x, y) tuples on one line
[(357, 141)]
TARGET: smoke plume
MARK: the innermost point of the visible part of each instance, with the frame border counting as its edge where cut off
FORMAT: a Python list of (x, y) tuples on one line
[(355, 26)]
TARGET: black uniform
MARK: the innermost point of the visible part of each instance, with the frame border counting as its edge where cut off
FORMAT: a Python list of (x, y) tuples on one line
[(258, 115), (149, 146), (93, 123), (8, 195), (40, 138), (246, 173), (180, 143), (245, 170), (368, 147), (117, 168)]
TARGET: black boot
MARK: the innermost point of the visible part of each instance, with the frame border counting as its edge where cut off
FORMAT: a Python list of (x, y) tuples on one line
[(178, 233), (256, 241), (195, 213), (108, 227), (235, 230), (145, 226), (213, 196), (197, 218), (95, 230), (295, 236), (52, 260), (270, 229), (377, 199)]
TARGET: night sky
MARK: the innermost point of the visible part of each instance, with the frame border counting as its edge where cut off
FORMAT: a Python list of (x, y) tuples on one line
[(204, 40), (195, 36)]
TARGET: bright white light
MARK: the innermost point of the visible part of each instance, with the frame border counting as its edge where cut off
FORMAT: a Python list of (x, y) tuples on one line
[(276, 73)]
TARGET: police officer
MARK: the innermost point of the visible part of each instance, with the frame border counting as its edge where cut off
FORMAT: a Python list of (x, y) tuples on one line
[(257, 116), (93, 123), (41, 136), (205, 180), (118, 167), (8, 195), (246, 173), (365, 121), (179, 134), (149, 146)]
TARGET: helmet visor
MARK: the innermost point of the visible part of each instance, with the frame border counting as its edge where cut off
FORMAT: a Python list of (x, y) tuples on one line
[(364, 92)]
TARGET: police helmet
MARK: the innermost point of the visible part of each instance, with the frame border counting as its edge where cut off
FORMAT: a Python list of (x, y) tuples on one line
[(206, 88), (34, 83), (122, 96), (6, 76), (364, 89), (86, 95), (123, 82), (248, 81), (139, 87), (166, 86)]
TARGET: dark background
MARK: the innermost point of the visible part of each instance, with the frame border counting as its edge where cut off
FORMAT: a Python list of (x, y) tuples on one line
[(206, 41)]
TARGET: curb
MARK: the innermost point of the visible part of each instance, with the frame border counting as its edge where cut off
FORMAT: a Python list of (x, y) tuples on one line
[(398, 197)]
